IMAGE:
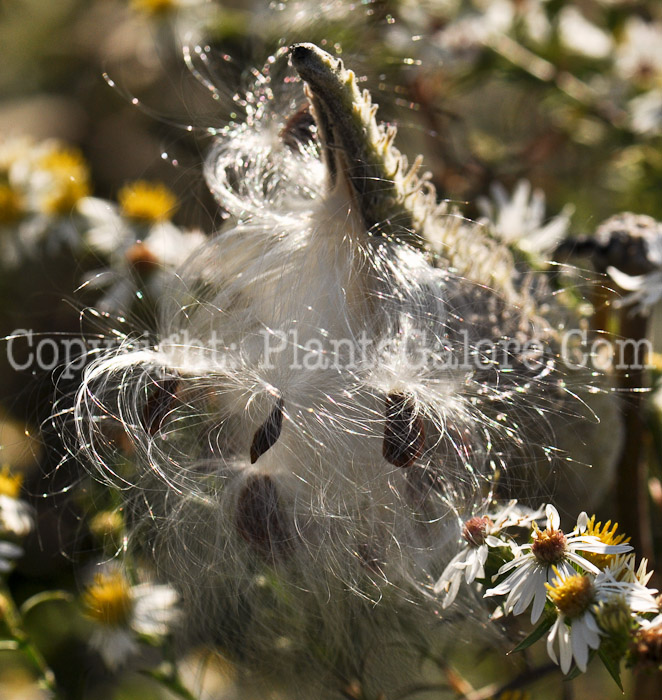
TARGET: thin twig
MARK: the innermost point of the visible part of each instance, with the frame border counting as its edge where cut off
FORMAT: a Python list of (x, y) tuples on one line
[(632, 470)]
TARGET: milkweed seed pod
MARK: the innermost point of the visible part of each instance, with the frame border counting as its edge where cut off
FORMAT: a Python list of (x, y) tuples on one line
[(339, 374)]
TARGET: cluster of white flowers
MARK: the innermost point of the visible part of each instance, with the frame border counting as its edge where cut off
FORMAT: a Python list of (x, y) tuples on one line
[(519, 220), (573, 582), (628, 60), (137, 239), (40, 185), (46, 204)]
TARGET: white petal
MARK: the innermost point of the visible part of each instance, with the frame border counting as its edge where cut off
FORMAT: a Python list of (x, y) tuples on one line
[(551, 637), (10, 550), (453, 590), (154, 609), (516, 562), (538, 601), (98, 210), (584, 563), (493, 541), (114, 644), (448, 573), (15, 516), (579, 645), (506, 585), (565, 648), (553, 517)]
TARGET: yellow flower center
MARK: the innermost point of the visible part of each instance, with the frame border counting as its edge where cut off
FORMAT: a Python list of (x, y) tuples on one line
[(108, 599), (147, 201), (10, 484), (548, 546), (607, 534), (571, 595), (70, 175), (10, 205), (154, 7)]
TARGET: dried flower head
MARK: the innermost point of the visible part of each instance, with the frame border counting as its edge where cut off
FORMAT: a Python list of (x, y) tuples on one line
[(646, 650)]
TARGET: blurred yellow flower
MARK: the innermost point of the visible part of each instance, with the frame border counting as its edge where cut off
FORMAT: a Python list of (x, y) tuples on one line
[(10, 484), (69, 180)]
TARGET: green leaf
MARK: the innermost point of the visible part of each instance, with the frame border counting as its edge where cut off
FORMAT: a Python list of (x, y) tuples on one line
[(613, 666), (573, 673), (537, 633)]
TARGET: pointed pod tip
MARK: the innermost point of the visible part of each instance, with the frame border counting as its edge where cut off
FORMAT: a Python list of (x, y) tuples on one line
[(309, 60), (300, 51)]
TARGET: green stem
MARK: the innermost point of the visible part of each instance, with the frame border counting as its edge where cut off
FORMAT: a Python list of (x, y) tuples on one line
[(14, 622), (632, 472)]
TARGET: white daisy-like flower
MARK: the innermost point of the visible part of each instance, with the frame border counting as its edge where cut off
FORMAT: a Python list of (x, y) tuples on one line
[(8, 553), (122, 613), (53, 177), (550, 551), (144, 262), (479, 534), (138, 240), (518, 220), (40, 186), (639, 56), (576, 630), (646, 290)]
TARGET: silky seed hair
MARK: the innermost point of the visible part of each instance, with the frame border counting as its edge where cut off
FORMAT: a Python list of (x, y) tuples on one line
[(285, 457)]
